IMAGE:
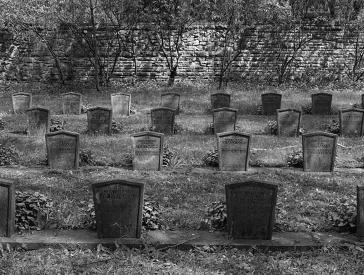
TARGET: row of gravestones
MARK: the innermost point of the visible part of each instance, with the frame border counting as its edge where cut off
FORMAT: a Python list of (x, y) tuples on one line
[(119, 205)]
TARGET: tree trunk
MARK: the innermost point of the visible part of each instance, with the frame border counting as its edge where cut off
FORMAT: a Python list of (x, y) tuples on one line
[(172, 76), (96, 46)]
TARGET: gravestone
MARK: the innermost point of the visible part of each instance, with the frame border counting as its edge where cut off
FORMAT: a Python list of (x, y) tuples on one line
[(7, 208), (63, 150), (224, 120), (38, 121), (319, 151), (99, 120), (321, 103), (233, 148), (251, 209), (148, 151), (71, 103), (271, 102), (351, 122), (163, 120), (120, 103), (288, 121), (21, 102), (171, 100), (362, 101), (118, 208), (220, 100), (360, 212)]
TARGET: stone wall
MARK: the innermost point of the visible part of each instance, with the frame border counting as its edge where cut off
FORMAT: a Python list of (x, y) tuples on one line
[(328, 54)]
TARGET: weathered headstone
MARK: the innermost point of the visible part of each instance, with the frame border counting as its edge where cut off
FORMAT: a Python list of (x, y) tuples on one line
[(38, 121), (288, 121), (99, 120), (120, 103), (224, 120), (220, 100), (21, 102), (171, 100), (7, 208), (148, 151), (233, 148), (71, 103), (250, 209), (360, 212), (118, 208), (351, 122), (319, 151), (163, 120), (362, 101), (321, 103), (271, 102), (63, 150)]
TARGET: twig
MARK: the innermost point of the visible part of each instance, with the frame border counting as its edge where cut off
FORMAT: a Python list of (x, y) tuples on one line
[(178, 244)]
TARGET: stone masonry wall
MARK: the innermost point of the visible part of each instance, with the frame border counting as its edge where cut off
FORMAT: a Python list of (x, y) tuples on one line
[(328, 54)]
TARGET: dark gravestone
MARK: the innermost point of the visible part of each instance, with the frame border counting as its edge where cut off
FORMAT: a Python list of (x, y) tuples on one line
[(63, 150), (319, 151), (120, 104), (148, 151), (171, 100), (220, 100), (362, 101), (118, 208), (271, 102), (224, 120), (163, 120), (250, 209), (233, 148), (21, 102), (7, 208), (71, 103), (288, 121), (321, 103), (360, 212), (351, 122), (99, 120), (38, 121)]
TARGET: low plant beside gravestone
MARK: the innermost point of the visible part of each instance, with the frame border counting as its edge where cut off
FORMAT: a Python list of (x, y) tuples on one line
[(8, 155), (342, 213), (332, 127), (56, 125), (86, 158), (116, 127), (216, 217), (2, 124), (307, 109), (295, 159), (272, 127), (211, 159)]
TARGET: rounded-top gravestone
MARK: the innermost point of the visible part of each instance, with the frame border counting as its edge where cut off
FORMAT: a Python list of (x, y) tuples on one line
[(120, 103), (351, 122), (288, 122), (38, 121), (71, 103), (171, 100), (220, 100), (21, 102), (271, 102), (99, 120), (321, 103)]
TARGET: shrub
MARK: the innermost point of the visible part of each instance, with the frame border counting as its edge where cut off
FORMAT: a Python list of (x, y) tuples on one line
[(168, 154), (116, 127), (56, 125), (86, 158), (272, 127), (260, 109), (295, 159), (177, 128), (342, 213), (151, 216), (32, 210), (132, 109), (333, 127), (209, 130), (8, 155), (307, 109), (211, 159), (84, 107), (2, 124), (216, 217)]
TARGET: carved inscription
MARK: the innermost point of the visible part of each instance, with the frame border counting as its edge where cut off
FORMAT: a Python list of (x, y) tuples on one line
[(270, 103), (319, 153), (63, 151), (351, 123), (21, 103), (224, 121), (233, 152), (99, 121), (163, 120), (120, 104), (118, 212), (147, 153), (288, 123), (72, 104), (220, 100)]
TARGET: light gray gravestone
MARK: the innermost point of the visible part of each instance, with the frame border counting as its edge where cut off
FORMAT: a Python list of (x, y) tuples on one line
[(288, 121), (251, 209), (63, 150), (171, 100), (271, 102), (99, 120), (163, 120), (38, 121), (120, 103), (21, 102), (233, 148), (148, 151), (319, 151), (7, 208), (71, 103), (224, 120), (220, 100), (351, 122), (321, 103), (118, 208)]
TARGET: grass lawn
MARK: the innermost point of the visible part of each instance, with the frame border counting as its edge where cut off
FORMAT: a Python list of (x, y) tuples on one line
[(306, 202)]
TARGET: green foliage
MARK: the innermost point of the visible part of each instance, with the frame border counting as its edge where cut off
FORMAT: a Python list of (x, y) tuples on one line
[(211, 159), (272, 127), (216, 217), (8, 155), (32, 210), (333, 127), (56, 125), (295, 159)]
